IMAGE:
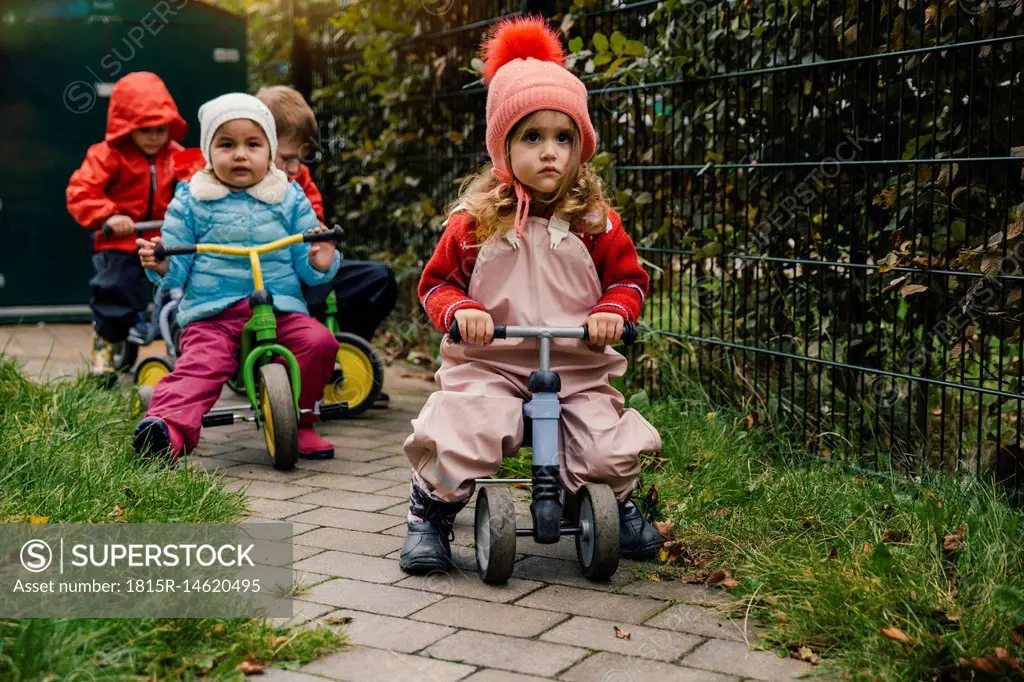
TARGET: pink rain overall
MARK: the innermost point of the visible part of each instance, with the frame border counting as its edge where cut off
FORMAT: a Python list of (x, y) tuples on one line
[(465, 429)]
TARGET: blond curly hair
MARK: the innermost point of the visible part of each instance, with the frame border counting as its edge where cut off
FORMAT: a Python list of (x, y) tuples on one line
[(579, 196)]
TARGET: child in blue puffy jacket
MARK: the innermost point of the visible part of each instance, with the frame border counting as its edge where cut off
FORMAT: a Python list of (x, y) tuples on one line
[(240, 199)]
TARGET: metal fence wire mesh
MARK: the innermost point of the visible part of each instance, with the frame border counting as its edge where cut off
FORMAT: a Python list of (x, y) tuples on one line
[(827, 194)]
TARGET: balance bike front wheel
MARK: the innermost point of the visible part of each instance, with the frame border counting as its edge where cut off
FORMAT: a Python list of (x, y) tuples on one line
[(597, 545), (495, 534), (124, 356), (357, 377), (147, 375), (277, 411)]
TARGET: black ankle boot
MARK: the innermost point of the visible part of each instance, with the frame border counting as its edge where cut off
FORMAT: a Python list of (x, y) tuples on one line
[(427, 545), (638, 539)]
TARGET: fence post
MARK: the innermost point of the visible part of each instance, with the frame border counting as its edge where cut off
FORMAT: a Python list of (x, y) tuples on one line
[(545, 8), (301, 66)]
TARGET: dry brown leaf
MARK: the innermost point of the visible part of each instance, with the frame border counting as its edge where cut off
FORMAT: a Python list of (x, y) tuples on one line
[(984, 664), (339, 620), (522, 486), (722, 513), (751, 420), (896, 634), (621, 633), (117, 512), (911, 289), (666, 528), (954, 542), (249, 668), (895, 536), (278, 641), (867, 549), (715, 577), (38, 519), (730, 583), (654, 578)]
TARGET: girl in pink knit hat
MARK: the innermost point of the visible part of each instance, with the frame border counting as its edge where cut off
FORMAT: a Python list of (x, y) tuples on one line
[(532, 242)]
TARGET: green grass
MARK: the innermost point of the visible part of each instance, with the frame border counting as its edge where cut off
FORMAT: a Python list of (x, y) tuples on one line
[(826, 557), (65, 455)]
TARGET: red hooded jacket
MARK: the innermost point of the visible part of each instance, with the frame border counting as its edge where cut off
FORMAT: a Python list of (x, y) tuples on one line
[(117, 177)]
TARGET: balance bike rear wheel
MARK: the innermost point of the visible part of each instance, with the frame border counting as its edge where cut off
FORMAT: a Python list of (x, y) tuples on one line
[(494, 534), (357, 377), (597, 546), (147, 375), (280, 422)]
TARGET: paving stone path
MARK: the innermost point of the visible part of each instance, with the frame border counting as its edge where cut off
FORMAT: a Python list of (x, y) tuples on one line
[(348, 518)]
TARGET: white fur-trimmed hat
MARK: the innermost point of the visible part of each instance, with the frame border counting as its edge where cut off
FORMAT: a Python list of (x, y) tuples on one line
[(230, 107)]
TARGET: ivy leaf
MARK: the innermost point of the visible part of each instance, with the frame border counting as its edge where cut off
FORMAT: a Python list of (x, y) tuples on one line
[(618, 43), (602, 58), (600, 42), (575, 45), (635, 48)]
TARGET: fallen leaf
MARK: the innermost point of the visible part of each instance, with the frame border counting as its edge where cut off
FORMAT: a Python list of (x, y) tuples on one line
[(38, 519), (730, 583), (867, 549), (719, 514), (249, 668), (1017, 634), (896, 634), (911, 289), (522, 486), (666, 528), (833, 553), (339, 620), (621, 633), (984, 664), (278, 641), (751, 420), (954, 542), (804, 653), (654, 578), (715, 577), (117, 513), (895, 536)]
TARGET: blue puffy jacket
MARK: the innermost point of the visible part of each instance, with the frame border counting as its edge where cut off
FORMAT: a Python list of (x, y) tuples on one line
[(214, 282)]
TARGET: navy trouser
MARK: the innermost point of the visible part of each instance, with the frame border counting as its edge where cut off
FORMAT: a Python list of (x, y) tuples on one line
[(366, 293), (120, 291)]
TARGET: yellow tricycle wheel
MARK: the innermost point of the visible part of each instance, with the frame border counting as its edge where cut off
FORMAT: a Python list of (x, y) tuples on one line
[(357, 377), (147, 375), (278, 416)]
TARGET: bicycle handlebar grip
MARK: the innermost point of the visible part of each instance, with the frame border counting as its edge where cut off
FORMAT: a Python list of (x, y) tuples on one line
[(629, 333), (453, 332), (499, 331), (161, 252), (334, 234), (140, 227), (108, 232)]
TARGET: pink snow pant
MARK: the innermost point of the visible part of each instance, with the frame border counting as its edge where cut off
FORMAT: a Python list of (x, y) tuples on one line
[(210, 356)]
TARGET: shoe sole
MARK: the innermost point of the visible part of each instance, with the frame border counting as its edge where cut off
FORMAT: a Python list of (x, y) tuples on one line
[(320, 455), (153, 444), (423, 565), (644, 553)]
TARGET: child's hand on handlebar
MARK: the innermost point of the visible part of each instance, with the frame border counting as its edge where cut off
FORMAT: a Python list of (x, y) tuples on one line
[(475, 326), (321, 254), (147, 258), (604, 329), (121, 225)]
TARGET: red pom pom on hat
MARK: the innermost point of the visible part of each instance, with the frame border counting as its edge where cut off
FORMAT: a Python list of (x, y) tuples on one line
[(520, 38)]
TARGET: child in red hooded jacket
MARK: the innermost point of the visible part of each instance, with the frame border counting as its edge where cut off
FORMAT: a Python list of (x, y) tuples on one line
[(127, 178)]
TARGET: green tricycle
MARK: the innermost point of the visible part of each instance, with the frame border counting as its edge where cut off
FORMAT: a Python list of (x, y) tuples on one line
[(272, 390)]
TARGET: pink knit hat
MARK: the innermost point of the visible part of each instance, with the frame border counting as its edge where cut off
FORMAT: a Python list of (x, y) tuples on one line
[(524, 73)]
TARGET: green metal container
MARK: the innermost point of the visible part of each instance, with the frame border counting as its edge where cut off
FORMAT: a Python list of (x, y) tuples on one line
[(58, 60)]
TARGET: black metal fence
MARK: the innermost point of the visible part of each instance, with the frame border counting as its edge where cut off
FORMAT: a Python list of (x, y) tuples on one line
[(828, 195)]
